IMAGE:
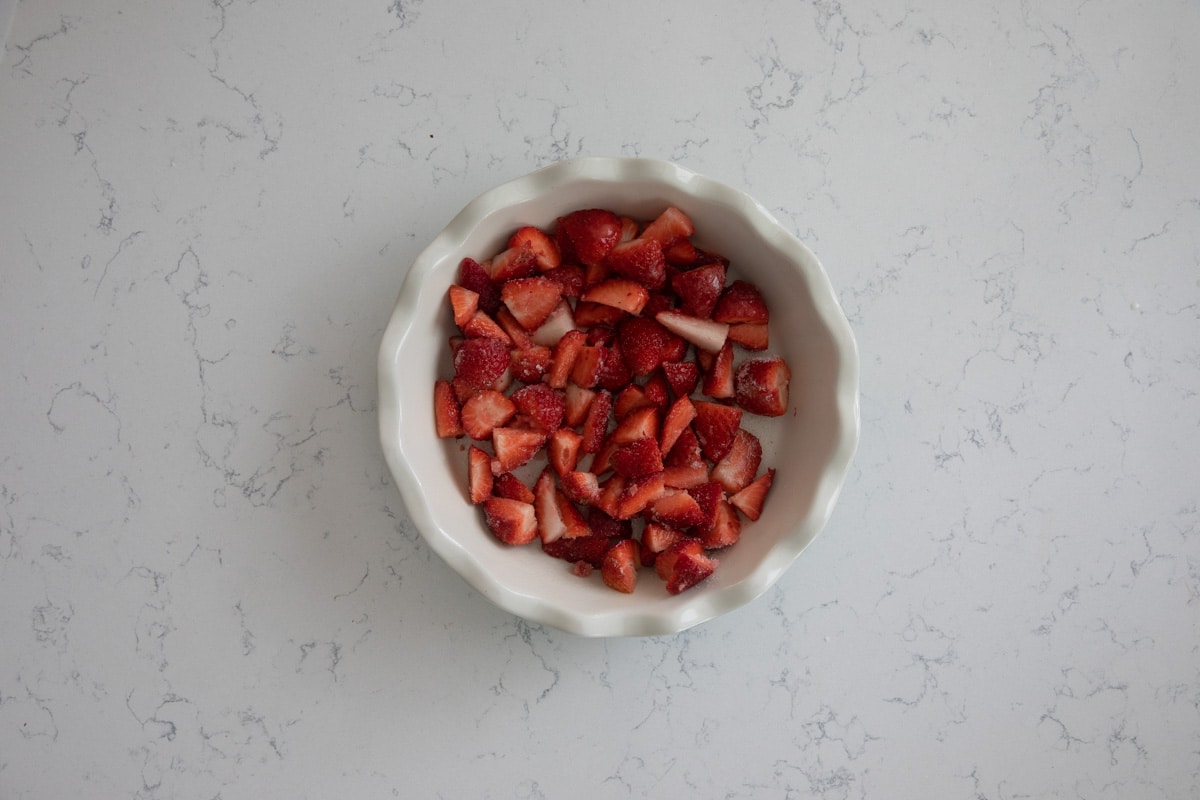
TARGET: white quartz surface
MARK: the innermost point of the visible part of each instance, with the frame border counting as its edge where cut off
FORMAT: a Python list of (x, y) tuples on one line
[(209, 587)]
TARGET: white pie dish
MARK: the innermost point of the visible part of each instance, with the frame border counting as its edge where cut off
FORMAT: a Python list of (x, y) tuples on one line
[(810, 447)]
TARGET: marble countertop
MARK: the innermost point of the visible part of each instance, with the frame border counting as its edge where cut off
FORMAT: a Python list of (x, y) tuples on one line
[(209, 586)]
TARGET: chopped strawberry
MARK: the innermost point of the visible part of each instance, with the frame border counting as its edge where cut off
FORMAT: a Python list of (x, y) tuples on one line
[(570, 277), (479, 475), (645, 344), (741, 302), (726, 528), (516, 332), (683, 565), (486, 411), (750, 335), (589, 234), (595, 426), (531, 299), (761, 386), (530, 364), (481, 326), (679, 510), (578, 402), (602, 461), (463, 390), (464, 303), (545, 251), (639, 493), (640, 423), (657, 390), (447, 413), (594, 273), (614, 372), (718, 381), (503, 383), (656, 538), (629, 229), (556, 326), (619, 567), (708, 496), (602, 524), (686, 451), (565, 353), (704, 333), (669, 227), (704, 360), (508, 485), (610, 495), (472, 275), (681, 254), (739, 466), (563, 450), (588, 549), (622, 293), (715, 427), (685, 477), (550, 524), (678, 418), (630, 398), (543, 405), (682, 376), (750, 499), (512, 521), (659, 301), (513, 263), (590, 315), (581, 487), (640, 260), (588, 364), (514, 447), (480, 362), (638, 458), (576, 525), (699, 289)]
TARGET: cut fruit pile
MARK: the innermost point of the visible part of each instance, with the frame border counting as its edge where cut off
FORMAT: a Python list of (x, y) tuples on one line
[(610, 345)]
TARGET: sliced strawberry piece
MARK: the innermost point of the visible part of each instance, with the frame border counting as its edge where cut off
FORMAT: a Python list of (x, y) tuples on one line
[(683, 565), (481, 326), (595, 273), (614, 373), (605, 532), (473, 276), (639, 493), (631, 397), (629, 229), (656, 538), (543, 405), (610, 495), (622, 293), (589, 234), (678, 418), (686, 451), (641, 423), (682, 376), (715, 427), (704, 360), (563, 450), (603, 524), (463, 391), (486, 411), (530, 364), (602, 335), (581, 487), (699, 289), (588, 364), (750, 499), (659, 301), (560, 322), (447, 413), (590, 315), (640, 260), (514, 447), (565, 353), (750, 335), (685, 477), (602, 461), (761, 386), (550, 524), (638, 458), (596, 425), (480, 362), (479, 475), (512, 521), (678, 510), (531, 299), (575, 523), (513, 263), (464, 303), (569, 277), (681, 254), (704, 333), (544, 249), (741, 302), (718, 381), (508, 485), (578, 402), (657, 390), (645, 344), (726, 528), (739, 466), (619, 567), (708, 496), (516, 332), (669, 227)]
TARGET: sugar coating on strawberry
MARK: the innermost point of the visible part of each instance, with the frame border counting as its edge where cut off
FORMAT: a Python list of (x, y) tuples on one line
[(645, 344), (569, 277), (683, 565), (589, 234), (638, 458), (741, 302), (541, 404), (544, 249), (479, 475), (486, 411), (531, 300), (446, 410), (726, 529), (515, 262), (473, 276), (739, 466), (512, 521), (682, 376), (715, 427), (761, 385), (563, 450), (699, 289), (508, 485), (640, 260), (619, 566), (515, 447), (669, 227), (530, 364), (480, 362), (750, 500)]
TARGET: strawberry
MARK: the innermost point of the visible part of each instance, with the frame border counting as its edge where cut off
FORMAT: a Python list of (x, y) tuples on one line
[(659, 301), (739, 466), (681, 254), (750, 499), (640, 260), (464, 303), (447, 413), (657, 390), (508, 485), (589, 315), (657, 537), (669, 227), (530, 364), (513, 263), (704, 333), (686, 451), (514, 447), (595, 426), (678, 418), (610, 495), (741, 302), (485, 411), (638, 458), (639, 493), (531, 299), (589, 549), (481, 326), (565, 353), (602, 524), (699, 289), (644, 344), (581, 487), (683, 565), (463, 390), (563, 450), (512, 521), (479, 475), (678, 510), (631, 397), (761, 385), (640, 423), (544, 406), (602, 461), (576, 525), (726, 528), (588, 234), (715, 427), (556, 326), (629, 229), (473, 276), (602, 335), (619, 567), (480, 362), (594, 273), (750, 335), (578, 402), (682, 376), (586, 371), (708, 496), (570, 278), (516, 332), (550, 524), (545, 251), (718, 381), (685, 477), (614, 372), (627, 295)]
